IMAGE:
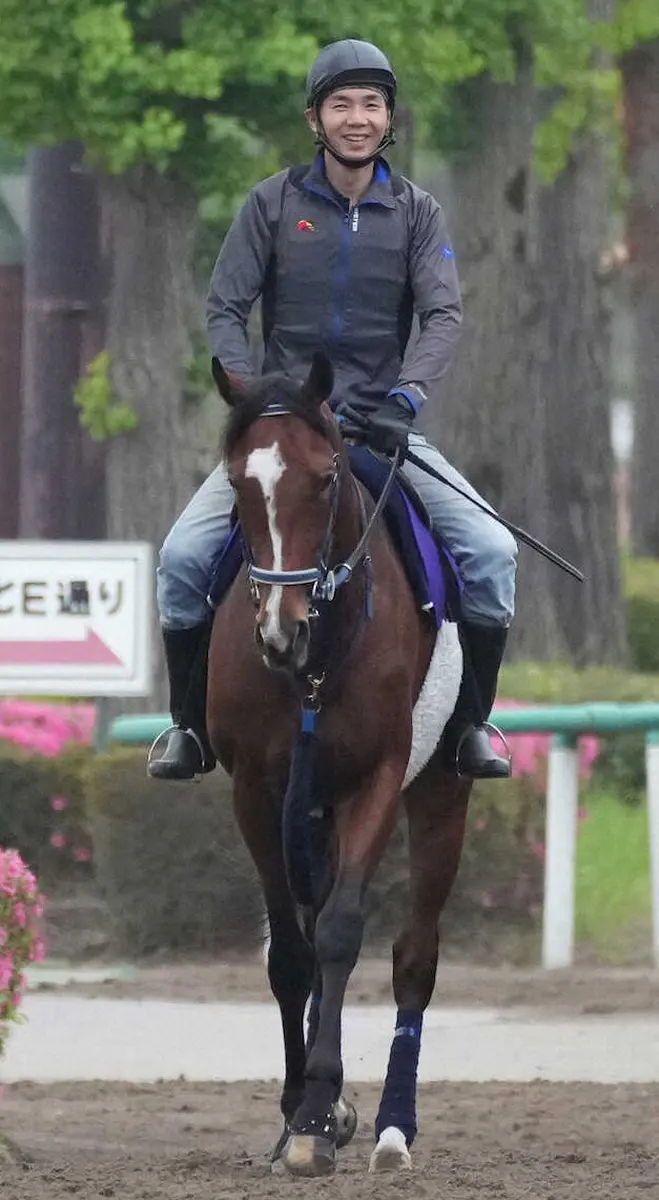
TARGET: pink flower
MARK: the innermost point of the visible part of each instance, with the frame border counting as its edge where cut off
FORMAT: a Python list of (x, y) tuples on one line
[(82, 854), (6, 971), (38, 950), (20, 906), (58, 840), (46, 728), (58, 803)]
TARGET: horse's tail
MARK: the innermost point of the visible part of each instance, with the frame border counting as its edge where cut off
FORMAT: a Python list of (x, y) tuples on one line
[(305, 825)]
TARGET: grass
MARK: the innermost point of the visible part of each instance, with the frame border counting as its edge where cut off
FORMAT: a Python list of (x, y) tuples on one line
[(613, 906)]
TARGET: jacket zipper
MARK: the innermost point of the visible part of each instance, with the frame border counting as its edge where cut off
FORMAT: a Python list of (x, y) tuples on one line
[(350, 226)]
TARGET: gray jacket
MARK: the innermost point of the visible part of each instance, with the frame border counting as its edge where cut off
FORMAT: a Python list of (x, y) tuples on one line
[(344, 280)]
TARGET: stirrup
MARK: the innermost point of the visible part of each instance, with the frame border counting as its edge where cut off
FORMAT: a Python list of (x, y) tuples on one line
[(490, 728), (190, 733)]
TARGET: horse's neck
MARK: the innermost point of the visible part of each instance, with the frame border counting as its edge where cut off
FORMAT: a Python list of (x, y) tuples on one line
[(353, 503)]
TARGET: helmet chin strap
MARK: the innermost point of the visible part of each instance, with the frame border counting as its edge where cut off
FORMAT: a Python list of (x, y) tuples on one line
[(354, 164)]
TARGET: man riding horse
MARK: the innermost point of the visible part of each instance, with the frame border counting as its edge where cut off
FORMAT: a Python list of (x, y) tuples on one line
[(343, 255)]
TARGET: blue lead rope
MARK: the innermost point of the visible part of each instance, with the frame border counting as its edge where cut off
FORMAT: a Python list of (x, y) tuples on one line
[(309, 720)]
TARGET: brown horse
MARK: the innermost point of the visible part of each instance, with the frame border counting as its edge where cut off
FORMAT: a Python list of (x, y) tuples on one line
[(348, 654)]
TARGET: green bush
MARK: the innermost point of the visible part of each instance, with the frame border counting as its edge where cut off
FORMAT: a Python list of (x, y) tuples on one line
[(642, 596), (494, 909), (175, 874), (170, 862), (42, 812), (620, 766)]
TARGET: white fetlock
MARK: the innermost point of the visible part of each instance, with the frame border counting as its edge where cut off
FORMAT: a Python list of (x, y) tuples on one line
[(391, 1153)]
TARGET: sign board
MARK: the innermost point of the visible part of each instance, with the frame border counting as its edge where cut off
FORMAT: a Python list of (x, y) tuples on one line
[(75, 618)]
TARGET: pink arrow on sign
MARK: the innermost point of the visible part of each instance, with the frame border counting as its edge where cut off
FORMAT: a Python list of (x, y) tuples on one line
[(90, 652)]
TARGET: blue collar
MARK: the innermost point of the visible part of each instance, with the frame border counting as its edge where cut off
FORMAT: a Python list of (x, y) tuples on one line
[(379, 192)]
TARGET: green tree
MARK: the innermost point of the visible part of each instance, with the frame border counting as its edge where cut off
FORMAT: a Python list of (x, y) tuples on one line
[(182, 105), (527, 411)]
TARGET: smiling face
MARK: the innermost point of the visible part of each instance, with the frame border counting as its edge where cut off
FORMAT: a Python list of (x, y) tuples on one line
[(355, 121)]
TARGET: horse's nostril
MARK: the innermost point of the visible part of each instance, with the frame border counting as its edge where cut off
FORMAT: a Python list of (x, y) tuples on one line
[(301, 633)]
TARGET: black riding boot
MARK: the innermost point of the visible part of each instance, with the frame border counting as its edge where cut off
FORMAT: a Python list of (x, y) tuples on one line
[(467, 746), (187, 752)]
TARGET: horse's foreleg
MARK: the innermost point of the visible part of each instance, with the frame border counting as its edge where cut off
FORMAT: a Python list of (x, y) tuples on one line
[(363, 825), (437, 807), (290, 971), (290, 954)]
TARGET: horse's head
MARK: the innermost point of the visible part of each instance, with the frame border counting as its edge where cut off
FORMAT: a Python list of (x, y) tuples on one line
[(283, 451)]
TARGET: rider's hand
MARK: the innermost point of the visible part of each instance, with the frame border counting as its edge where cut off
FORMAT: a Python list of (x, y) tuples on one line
[(387, 431)]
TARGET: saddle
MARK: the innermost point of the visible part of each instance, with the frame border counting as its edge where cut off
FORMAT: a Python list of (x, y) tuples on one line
[(431, 571)]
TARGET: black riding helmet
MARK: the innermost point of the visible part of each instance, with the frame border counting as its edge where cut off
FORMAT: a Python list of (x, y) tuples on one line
[(351, 63)]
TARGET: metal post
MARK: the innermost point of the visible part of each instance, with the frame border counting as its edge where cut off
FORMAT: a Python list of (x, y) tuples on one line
[(560, 853), (652, 781)]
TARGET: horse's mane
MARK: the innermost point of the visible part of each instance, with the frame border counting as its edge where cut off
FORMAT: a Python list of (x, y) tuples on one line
[(275, 388)]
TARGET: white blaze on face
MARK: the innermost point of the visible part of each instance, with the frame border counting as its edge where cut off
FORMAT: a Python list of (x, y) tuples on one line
[(267, 466)]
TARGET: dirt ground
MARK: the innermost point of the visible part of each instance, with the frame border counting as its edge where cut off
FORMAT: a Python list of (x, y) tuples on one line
[(181, 1141), (187, 1141), (573, 992)]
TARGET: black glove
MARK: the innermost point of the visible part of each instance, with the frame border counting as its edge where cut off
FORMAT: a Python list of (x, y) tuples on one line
[(386, 433), (384, 429)]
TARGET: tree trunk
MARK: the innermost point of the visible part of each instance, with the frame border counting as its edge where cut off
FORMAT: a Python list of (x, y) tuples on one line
[(487, 422), (61, 477), (151, 225), (11, 322), (572, 383), (641, 80), (533, 345)]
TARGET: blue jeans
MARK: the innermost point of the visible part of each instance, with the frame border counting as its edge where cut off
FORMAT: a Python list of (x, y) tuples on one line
[(484, 551)]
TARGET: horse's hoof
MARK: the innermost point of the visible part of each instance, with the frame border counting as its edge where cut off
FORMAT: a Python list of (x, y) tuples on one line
[(391, 1153), (305, 1154), (346, 1122)]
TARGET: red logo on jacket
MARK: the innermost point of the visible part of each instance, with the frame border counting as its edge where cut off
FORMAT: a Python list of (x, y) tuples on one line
[(306, 227)]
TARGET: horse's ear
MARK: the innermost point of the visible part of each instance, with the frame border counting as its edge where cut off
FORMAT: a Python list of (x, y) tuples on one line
[(320, 381), (230, 387)]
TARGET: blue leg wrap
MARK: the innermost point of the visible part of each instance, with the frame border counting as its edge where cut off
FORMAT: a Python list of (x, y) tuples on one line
[(398, 1102)]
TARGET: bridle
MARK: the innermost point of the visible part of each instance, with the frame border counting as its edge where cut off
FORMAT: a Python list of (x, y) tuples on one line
[(323, 579)]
